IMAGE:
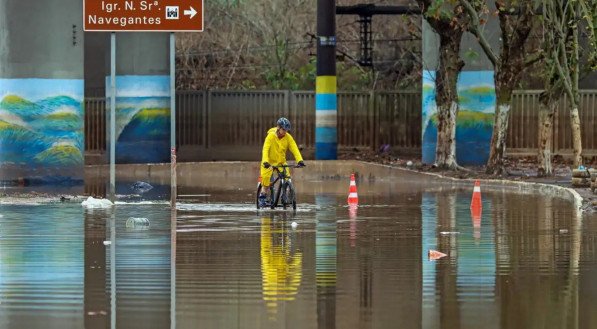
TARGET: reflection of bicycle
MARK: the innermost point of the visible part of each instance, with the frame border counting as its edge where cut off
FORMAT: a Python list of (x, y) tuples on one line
[(281, 262), (285, 193)]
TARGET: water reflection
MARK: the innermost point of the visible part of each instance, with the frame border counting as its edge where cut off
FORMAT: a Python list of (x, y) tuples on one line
[(41, 267), (281, 263), (127, 282), (325, 260), (523, 262)]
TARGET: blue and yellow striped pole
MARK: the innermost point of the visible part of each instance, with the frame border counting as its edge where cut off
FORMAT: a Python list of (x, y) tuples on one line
[(326, 131)]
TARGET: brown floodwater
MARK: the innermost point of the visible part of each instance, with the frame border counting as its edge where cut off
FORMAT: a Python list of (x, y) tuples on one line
[(529, 261)]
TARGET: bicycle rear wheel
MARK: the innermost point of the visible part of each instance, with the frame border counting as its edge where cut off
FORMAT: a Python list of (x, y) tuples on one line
[(259, 188)]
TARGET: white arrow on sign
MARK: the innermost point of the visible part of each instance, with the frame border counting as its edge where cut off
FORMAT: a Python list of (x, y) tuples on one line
[(191, 12)]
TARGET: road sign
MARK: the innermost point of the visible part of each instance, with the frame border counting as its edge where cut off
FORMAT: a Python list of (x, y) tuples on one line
[(143, 15)]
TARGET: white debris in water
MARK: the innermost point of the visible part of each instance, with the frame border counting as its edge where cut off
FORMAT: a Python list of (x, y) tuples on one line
[(294, 224), (92, 202), (137, 222), (137, 203), (449, 233), (409, 164), (563, 231), (107, 243)]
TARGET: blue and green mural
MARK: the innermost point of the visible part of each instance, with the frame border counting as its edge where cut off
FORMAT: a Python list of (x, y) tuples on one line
[(474, 125), (41, 130), (142, 118)]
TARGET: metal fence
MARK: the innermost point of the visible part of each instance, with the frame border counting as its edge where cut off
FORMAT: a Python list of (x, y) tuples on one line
[(524, 124), (209, 123)]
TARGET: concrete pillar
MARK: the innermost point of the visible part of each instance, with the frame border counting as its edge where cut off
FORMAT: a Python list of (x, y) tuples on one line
[(476, 90), (41, 92), (142, 97)]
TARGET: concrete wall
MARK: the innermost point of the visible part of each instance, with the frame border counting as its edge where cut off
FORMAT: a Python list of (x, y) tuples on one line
[(371, 178), (142, 97), (41, 91)]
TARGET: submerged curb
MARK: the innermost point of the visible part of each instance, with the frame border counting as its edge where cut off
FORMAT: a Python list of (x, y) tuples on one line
[(534, 187)]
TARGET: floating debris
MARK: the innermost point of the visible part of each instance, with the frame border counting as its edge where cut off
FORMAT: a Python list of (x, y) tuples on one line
[(93, 203), (435, 255), (136, 222)]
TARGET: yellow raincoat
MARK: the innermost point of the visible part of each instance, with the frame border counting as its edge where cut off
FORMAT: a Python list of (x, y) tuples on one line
[(274, 152)]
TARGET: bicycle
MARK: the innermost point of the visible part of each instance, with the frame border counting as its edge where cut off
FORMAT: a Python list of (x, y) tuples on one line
[(285, 189)]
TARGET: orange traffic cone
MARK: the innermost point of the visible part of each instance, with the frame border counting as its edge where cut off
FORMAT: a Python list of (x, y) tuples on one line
[(476, 200), (435, 255), (353, 197)]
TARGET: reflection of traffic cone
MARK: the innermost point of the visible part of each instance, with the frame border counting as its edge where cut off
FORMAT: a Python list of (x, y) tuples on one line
[(352, 216), (352, 191), (476, 216), (434, 254), (476, 200)]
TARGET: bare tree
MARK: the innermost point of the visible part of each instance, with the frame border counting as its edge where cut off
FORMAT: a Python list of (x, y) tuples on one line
[(563, 21), (248, 45)]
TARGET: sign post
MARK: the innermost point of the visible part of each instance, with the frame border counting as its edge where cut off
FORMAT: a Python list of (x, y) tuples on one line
[(143, 16)]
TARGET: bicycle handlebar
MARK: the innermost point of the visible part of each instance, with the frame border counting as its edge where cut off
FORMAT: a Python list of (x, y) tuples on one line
[(288, 166)]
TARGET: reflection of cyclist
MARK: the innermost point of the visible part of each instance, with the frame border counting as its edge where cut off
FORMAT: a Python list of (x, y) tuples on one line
[(277, 143), (281, 267)]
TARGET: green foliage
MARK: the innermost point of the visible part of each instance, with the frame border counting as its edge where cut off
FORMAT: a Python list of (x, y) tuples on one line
[(353, 78), (441, 10), (350, 77), (471, 54)]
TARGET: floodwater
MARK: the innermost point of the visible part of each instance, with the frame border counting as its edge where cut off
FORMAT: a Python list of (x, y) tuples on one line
[(527, 262)]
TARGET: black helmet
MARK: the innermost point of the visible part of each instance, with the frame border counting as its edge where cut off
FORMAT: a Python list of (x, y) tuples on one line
[(284, 124)]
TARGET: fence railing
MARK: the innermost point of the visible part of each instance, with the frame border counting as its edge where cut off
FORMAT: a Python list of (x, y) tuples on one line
[(524, 124), (211, 121)]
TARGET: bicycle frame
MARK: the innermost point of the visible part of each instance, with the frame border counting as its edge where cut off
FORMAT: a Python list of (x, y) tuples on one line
[(284, 182)]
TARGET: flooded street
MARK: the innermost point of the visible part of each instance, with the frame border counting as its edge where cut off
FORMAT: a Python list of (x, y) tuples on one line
[(527, 262)]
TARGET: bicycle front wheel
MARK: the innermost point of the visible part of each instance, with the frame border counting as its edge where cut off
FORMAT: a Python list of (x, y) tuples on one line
[(276, 197), (291, 195)]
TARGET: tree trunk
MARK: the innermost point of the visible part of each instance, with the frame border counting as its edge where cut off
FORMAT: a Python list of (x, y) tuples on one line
[(576, 136), (446, 98), (546, 114), (445, 152), (495, 164)]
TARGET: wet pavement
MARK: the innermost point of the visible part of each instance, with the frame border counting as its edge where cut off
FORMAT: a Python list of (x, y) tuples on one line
[(527, 262)]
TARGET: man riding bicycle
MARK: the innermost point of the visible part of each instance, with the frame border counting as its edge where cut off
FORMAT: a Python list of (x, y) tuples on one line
[(277, 142)]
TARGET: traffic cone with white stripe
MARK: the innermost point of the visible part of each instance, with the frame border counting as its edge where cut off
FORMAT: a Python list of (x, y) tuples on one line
[(353, 197), (476, 204)]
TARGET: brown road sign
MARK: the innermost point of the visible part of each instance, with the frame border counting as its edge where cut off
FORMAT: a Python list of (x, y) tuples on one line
[(143, 15)]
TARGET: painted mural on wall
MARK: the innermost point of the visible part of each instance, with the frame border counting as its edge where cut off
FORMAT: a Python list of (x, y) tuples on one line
[(474, 125), (142, 118), (41, 129)]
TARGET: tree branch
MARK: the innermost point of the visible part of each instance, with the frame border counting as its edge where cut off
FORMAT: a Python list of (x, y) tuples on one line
[(563, 76), (534, 58), (474, 28)]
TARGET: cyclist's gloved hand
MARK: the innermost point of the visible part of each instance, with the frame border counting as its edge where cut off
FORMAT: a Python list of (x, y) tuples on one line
[(301, 164), (266, 165)]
